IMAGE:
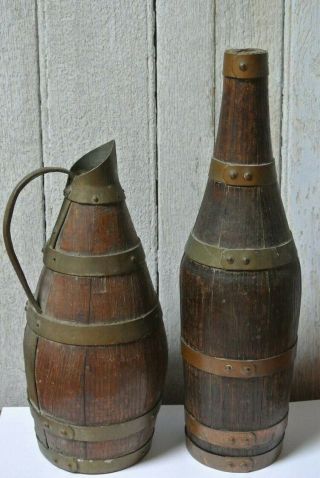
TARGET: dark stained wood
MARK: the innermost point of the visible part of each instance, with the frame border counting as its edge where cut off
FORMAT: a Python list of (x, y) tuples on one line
[(243, 314), (106, 384)]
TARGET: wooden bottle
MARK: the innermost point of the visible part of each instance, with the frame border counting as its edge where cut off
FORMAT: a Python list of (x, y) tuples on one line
[(95, 346), (240, 287)]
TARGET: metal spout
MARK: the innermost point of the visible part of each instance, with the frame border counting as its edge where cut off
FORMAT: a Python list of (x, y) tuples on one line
[(95, 177)]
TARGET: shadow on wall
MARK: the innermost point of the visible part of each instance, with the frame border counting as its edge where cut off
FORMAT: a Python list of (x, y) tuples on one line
[(306, 383), (173, 394)]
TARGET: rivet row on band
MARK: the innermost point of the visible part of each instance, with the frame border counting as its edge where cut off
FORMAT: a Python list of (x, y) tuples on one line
[(233, 463), (240, 259), (79, 465), (243, 174), (235, 439), (246, 369), (96, 433)]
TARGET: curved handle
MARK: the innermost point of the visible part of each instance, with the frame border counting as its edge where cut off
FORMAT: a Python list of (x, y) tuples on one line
[(7, 223)]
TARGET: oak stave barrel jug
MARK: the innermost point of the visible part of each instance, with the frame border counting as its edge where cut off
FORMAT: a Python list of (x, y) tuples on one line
[(95, 347), (240, 287)]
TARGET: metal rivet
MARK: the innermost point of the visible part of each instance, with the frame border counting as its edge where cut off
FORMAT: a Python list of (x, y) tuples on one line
[(95, 199), (246, 260), (228, 367), (243, 66), (230, 260), (133, 258), (233, 174), (244, 464), (63, 432), (46, 425), (247, 176), (38, 324), (247, 370)]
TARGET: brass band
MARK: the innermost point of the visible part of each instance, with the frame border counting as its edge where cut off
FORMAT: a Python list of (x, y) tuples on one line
[(30, 349), (245, 64), (235, 439), (79, 465), (240, 259), (246, 369), (119, 263), (233, 463), (243, 174), (106, 333), (91, 194), (94, 433)]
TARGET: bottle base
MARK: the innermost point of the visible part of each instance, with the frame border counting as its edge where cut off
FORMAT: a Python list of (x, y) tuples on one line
[(233, 464)]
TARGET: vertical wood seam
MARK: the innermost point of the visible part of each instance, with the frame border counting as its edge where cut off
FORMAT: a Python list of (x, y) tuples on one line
[(41, 120), (156, 152), (152, 125), (282, 91), (213, 112), (285, 124), (44, 223)]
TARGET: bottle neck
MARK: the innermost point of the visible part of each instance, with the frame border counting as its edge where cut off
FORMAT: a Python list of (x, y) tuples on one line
[(244, 127)]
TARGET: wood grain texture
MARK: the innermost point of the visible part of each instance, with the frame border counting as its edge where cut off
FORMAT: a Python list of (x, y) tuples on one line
[(300, 178), (257, 24), (244, 314), (97, 84), (20, 152), (185, 82), (98, 385), (97, 72)]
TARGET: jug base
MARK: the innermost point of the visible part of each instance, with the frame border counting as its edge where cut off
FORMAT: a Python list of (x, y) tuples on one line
[(86, 466)]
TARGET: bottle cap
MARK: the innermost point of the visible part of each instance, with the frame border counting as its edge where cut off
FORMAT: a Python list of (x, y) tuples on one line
[(245, 64)]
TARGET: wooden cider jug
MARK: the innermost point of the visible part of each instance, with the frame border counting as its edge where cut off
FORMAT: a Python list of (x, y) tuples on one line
[(95, 347)]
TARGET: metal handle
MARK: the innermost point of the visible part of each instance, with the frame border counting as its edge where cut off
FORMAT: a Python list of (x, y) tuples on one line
[(7, 223)]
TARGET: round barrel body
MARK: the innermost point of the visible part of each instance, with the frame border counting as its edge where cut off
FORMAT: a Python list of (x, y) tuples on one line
[(240, 290), (96, 355)]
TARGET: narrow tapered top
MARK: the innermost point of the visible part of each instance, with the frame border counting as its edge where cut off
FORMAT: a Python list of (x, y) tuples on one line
[(247, 63)]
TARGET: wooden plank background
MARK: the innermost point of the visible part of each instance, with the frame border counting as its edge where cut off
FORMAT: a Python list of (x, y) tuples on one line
[(77, 73)]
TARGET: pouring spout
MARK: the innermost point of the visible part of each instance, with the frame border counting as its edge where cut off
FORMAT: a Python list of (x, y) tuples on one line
[(95, 177)]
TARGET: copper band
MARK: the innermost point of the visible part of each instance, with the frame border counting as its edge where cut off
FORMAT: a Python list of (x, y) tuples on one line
[(80, 465), (245, 64), (97, 433), (243, 174), (30, 349), (235, 439), (240, 259), (233, 463), (237, 368)]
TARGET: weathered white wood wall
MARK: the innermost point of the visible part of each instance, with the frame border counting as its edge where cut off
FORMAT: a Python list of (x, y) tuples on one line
[(77, 73)]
